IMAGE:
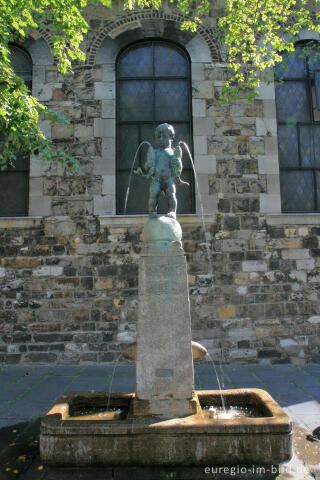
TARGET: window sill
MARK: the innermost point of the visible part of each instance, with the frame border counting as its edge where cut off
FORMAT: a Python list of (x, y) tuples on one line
[(127, 220), (20, 222), (293, 218), (116, 220)]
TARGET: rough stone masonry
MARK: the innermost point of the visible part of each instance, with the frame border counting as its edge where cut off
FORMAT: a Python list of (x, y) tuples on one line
[(69, 271)]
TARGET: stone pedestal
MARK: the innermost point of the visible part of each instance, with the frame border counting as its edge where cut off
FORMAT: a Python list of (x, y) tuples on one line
[(164, 378)]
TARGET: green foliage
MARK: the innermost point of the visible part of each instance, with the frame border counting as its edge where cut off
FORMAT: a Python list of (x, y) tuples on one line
[(19, 110), (257, 33)]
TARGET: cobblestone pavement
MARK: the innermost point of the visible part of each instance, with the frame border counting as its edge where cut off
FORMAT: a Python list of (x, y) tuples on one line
[(28, 392)]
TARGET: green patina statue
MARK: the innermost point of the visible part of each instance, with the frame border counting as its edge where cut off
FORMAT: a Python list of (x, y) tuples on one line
[(164, 166)]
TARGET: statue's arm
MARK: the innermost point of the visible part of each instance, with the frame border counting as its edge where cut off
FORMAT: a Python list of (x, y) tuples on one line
[(149, 165), (177, 165)]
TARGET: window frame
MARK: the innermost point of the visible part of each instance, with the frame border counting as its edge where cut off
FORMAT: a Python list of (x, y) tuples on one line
[(118, 79), (13, 170), (311, 105)]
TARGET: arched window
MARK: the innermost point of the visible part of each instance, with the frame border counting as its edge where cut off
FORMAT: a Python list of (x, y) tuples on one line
[(298, 114), (14, 181), (153, 87)]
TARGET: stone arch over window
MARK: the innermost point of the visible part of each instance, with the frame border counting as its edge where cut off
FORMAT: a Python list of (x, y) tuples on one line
[(298, 117), (14, 181), (153, 87), (156, 23), (105, 59)]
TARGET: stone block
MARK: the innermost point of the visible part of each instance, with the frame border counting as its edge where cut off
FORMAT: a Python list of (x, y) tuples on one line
[(227, 311), (83, 131), (231, 245), (269, 109), (108, 185), (60, 226), (104, 127), (273, 184), (296, 254), (199, 107), (266, 91), (20, 262), (271, 147), (254, 266), (108, 50), (41, 358), (203, 126), (104, 90), (39, 74), (45, 127), (243, 354), (43, 92), (60, 131), (238, 334), (270, 203), (103, 166), (200, 145), (241, 278), (108, 108), (198, 50), (299, 276), (108, 148), (205, 164), (197, 71), (108, 72), (103, 284), (255, 109), (60, 95), (36, 186), (266, 127), (315, 320), (38, 167), (39, 205), (209, 204), (104, 204), (286, 243), (48, 271), (202, 89), (40, 53)]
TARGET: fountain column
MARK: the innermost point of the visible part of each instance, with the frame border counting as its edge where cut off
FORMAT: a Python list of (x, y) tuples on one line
[(164, 378)]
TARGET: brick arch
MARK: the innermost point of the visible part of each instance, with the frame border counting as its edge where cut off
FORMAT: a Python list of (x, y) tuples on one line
[(205, 33), (47, 35)]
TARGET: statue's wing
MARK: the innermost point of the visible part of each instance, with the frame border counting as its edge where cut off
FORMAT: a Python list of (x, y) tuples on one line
[(150, 163), (177, 162)]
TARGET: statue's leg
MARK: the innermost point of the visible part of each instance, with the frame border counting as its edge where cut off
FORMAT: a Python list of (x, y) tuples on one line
[(155, 189), (172, 199)]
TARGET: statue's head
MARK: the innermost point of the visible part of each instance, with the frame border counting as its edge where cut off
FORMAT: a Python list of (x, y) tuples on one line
[(164, 135)]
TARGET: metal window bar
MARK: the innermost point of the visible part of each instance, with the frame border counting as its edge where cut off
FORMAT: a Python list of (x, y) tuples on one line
[(310, 124), (153, 122), (22, 204)]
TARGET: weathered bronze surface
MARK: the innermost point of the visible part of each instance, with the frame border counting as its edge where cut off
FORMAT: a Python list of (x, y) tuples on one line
[(164, 166)]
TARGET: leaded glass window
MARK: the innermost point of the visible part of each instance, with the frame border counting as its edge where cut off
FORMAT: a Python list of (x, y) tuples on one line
[(14, 181), (153, 87), (298, 114)]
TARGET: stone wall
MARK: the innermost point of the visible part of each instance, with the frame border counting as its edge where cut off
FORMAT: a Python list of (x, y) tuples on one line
[(69, 287), (68, 273)]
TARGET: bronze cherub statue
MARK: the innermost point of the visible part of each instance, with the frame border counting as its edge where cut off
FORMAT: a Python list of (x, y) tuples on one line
[(164, 166)]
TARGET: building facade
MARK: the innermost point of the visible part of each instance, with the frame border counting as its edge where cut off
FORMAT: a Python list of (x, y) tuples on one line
[(69, 249)]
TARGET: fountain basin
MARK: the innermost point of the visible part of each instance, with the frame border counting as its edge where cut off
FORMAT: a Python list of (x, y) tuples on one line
[(193, 440)]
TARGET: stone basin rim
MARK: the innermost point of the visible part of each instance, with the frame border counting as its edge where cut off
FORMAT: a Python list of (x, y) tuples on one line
[(276, 422)]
